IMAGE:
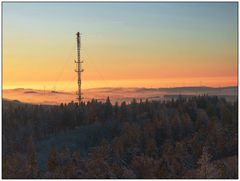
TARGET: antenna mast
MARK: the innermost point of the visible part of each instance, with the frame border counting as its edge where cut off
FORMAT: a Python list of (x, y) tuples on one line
[(78, 69)]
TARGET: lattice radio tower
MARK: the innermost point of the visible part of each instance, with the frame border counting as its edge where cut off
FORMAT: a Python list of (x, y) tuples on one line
[(78, 69)]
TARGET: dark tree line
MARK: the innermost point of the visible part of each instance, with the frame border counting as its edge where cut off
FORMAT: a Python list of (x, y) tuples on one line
[(185, 138)]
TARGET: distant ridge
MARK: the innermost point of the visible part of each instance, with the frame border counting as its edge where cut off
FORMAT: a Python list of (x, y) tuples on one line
[(35, 91), (124, 88), (190, 88)]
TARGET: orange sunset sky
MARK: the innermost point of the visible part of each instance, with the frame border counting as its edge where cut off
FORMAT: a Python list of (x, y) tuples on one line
[(123, 44)]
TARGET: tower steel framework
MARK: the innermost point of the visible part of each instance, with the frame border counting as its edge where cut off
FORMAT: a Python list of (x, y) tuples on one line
[(78, 69)]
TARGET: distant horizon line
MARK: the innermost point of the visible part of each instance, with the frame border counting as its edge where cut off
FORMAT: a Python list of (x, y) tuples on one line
[(211, 87), (129, 83)]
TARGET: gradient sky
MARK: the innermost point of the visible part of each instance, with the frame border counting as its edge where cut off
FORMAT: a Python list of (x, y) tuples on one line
[(173, 42)]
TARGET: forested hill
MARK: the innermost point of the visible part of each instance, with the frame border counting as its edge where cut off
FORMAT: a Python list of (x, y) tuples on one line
[(179, 138)]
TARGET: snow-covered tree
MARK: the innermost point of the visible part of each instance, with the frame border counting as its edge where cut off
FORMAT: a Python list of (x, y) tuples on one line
[(207, 169)]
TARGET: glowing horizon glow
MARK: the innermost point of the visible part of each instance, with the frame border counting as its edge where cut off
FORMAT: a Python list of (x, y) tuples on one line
[(123, 44), (132, 83)]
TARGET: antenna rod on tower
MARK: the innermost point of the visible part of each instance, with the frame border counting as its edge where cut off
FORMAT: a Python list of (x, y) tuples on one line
[(79, 70)]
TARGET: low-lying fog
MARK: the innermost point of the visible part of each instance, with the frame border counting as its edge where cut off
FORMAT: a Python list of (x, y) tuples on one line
[(115, 94)]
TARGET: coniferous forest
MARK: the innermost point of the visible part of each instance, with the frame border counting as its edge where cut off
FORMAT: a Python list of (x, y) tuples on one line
[(194, 137)]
